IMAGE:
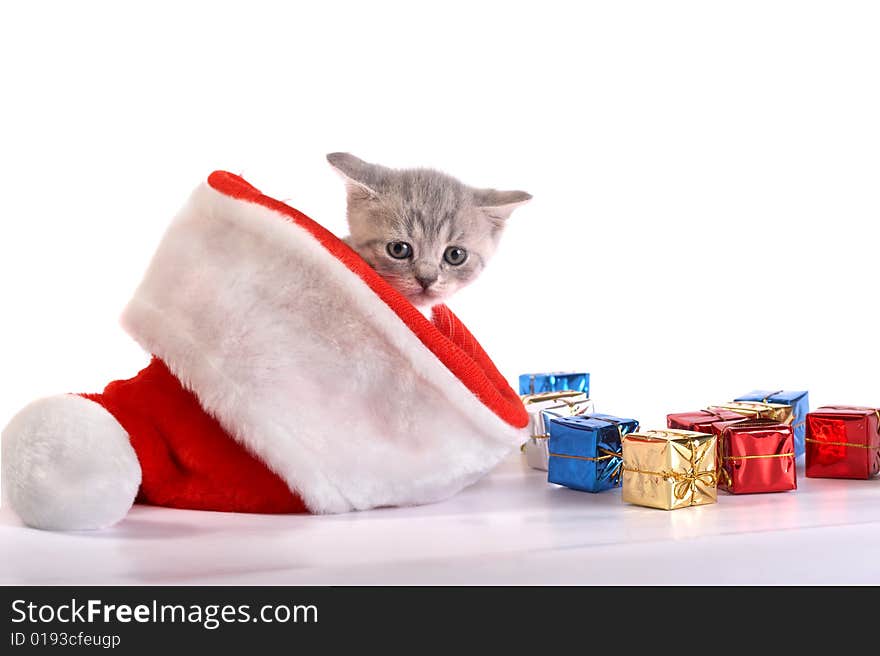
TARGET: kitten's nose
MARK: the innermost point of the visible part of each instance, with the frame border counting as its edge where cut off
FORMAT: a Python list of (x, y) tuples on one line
[(426, 281)]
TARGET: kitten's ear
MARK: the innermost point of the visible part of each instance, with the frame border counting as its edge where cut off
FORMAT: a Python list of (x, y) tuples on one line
[(498, 205), (362, 179)]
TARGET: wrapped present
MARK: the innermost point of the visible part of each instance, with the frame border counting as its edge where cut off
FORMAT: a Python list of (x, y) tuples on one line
[(758, 410), (547, 405), (800, 403), (755, 455), (557, 381), (669, 469), (701, 421), (585, 451), (843, 441)]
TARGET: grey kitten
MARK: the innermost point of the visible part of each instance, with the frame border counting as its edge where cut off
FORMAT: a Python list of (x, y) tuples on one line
[(425, 232)]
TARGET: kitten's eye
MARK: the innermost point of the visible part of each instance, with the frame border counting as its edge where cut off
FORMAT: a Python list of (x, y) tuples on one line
[(455, 255), (399, 250)]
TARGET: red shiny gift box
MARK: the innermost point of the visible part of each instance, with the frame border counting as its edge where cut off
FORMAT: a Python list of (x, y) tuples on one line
[(700, 421), (843, 441), (755, 455)]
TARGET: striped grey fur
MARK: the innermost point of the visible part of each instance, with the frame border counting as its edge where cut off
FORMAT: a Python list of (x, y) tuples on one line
[(432, 212)]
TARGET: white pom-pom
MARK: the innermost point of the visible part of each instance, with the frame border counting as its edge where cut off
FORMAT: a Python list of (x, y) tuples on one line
[(68, 465)]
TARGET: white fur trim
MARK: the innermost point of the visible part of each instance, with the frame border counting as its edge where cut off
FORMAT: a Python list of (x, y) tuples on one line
[(304, 365), (68, 464)]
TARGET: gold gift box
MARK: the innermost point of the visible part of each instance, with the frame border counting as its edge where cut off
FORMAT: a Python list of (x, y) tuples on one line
[(560, 404), (780, 412), (669, 469)]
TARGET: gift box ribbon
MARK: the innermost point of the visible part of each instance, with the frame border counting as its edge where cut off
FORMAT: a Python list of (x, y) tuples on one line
[(853, 444), (685, 482), (551, 396), (570, 404), (747, 408), (763, 455), (722, 472), (713, 413), (606, 454), (766, 399)]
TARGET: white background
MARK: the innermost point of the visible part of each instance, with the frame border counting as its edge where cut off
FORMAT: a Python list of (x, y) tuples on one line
[(705, 174)]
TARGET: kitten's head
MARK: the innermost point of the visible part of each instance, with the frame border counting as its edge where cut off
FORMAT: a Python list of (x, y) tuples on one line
[(425, 232)]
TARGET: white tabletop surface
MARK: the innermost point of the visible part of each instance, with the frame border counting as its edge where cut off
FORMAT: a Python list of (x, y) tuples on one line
[(511, 527)]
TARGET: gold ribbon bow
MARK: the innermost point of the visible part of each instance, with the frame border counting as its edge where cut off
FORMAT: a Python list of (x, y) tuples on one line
[(616, 475), (686, 482)]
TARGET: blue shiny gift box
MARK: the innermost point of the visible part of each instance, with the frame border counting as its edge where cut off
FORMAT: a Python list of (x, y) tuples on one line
[(586, 452), (557, 381), (800, 403)]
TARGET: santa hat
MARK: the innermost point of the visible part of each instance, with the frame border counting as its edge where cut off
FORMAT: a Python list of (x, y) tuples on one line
[(287, 376)]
